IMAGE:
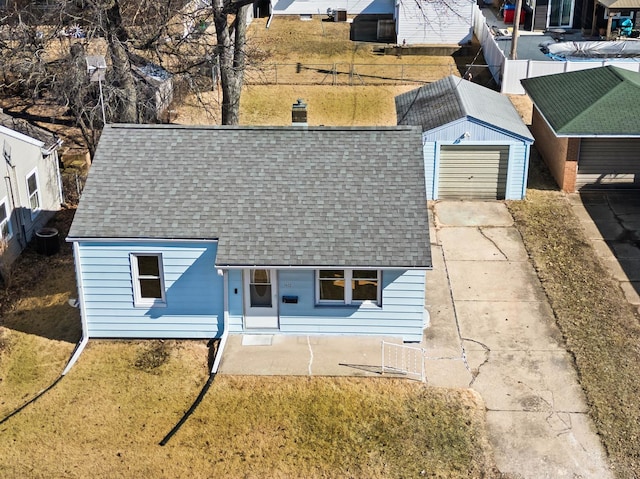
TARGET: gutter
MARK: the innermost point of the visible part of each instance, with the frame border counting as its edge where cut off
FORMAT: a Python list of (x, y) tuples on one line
[(225, 323)]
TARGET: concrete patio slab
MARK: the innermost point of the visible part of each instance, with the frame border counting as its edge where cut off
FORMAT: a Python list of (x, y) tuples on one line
[(489, 244), (472, 213), (547, 445), (530, 381), (493, 281), (508, 325)]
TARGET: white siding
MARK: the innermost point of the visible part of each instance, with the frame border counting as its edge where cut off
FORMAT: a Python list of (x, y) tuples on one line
[(315, 7), (447, 22), (194, 291)]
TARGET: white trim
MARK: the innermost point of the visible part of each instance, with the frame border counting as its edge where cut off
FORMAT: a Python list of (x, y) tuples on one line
[(348, 300), (21, 136), (138, 300), (8, 210), (316, 266), (81, 298), (80, 239), (35, 212), (225, 324)]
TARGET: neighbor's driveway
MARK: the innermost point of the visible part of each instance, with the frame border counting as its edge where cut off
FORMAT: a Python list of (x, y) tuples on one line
[(492, 329)]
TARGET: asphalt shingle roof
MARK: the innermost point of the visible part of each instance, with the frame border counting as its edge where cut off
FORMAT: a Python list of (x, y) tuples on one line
[(26, 128), (273, 196), (599, 101), (453, 98)]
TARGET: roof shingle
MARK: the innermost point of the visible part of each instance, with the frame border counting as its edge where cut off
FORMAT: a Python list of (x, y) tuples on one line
[(453, 98), (273, 196), (601, 101)]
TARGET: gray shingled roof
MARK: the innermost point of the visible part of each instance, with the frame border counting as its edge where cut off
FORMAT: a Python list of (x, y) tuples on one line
[(273, 196), (453, 98), (26, 128)]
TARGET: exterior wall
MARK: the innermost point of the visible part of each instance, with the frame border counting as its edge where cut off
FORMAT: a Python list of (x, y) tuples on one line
[(559, 154), (319, 7), (434, 22), (479, 134), (402, 312), (194, 291), (26, 156)]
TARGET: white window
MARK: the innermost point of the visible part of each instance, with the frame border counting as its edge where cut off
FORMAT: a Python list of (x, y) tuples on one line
[(5, 220), (33, 189), (148, 279), (348, 286)]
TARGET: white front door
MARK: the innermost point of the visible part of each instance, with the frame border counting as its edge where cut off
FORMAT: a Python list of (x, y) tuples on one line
[(260, 299)]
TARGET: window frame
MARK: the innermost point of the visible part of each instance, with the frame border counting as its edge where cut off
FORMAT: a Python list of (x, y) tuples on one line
[(7, 220), (34, 212), (138, 300), (348, 291)]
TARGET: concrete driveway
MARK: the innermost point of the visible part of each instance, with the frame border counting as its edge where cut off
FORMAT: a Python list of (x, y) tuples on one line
[(611, 222), (492, 330)]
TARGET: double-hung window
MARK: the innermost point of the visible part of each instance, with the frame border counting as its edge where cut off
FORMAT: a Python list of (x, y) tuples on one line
[(5, 221), (33, 190), (348, 286), (148, 279)]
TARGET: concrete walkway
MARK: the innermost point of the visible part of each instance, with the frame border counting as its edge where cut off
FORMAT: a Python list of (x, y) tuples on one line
[(494, 330)]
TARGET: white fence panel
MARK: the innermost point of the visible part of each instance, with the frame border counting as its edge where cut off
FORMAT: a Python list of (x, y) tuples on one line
[(512, 72), (493, 55), (402, 359)]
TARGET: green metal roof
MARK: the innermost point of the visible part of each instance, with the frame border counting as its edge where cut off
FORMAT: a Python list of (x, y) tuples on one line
[(601, 101)]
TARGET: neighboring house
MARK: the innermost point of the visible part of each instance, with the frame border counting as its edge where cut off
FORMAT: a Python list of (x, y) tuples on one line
[(31, 190), (475, 143), (187, 232), (320, 7), (587, 126), (448, 22)]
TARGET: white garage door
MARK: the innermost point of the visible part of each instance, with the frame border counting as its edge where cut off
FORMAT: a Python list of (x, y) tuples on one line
[(608, 161), (473, 171)]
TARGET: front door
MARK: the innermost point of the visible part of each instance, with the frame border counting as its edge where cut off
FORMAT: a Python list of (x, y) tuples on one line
[(260, 299)]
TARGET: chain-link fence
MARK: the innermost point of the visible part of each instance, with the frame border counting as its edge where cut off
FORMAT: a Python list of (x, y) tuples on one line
[(345, 74), (72, 186)]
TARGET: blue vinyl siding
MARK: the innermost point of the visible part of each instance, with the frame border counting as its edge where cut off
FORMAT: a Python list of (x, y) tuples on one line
[(402, 313), (236, 323), (479, 134), (194, 291)]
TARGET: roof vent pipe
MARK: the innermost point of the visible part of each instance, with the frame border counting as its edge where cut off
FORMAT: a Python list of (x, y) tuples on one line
[(299, 113)]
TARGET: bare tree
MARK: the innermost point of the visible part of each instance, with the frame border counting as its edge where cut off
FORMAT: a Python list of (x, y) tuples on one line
[(42, 53)]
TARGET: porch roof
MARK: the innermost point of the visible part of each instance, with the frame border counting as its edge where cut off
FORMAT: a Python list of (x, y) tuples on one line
[(271, 196)]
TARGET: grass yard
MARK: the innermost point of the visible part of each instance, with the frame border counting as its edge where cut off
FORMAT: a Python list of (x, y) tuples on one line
[(108, 415), (106, 418), (600, 327)]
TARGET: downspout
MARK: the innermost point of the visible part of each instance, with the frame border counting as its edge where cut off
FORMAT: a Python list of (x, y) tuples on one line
[(225, 323), (81, 306), (49, 152)]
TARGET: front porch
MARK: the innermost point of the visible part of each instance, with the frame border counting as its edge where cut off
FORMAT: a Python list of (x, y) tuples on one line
[(289, 355)]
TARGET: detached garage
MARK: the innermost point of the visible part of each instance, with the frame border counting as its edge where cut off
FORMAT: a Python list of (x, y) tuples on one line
[(587, 126), (475, 143)]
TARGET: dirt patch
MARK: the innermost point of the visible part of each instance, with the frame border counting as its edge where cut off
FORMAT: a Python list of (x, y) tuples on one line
[(152, 355)]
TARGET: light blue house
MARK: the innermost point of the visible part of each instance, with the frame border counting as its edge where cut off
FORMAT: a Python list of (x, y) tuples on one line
[(476, 146), (191, 232)]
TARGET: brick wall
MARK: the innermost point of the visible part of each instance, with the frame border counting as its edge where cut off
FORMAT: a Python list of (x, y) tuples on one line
[(560, 154)]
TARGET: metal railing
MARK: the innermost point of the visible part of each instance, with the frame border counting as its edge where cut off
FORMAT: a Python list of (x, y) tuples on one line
[(405, 360)]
